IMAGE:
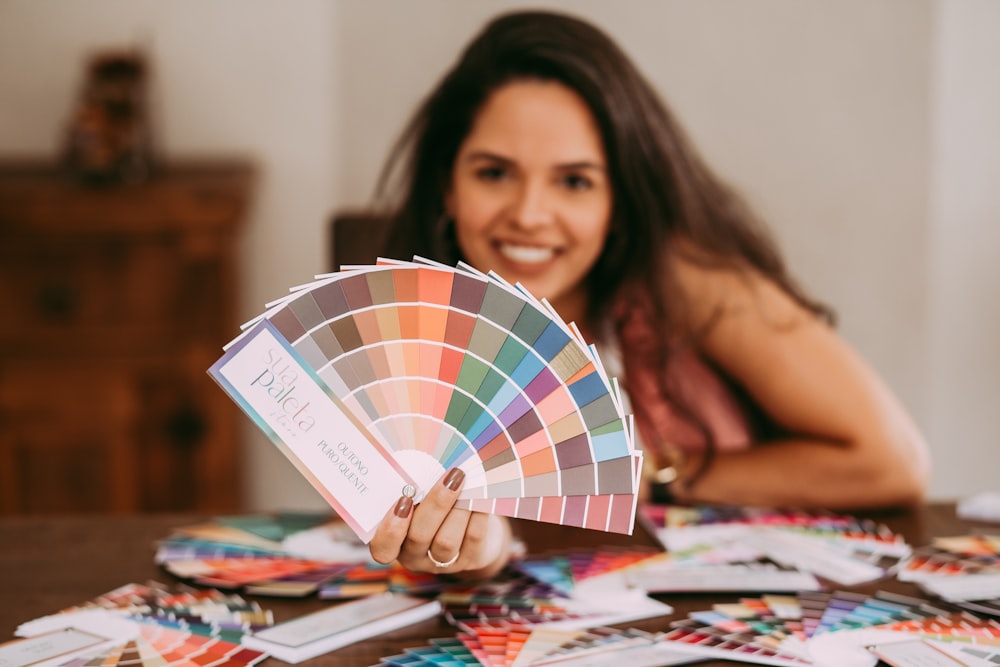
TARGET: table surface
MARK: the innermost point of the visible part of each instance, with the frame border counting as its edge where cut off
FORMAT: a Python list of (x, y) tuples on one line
[(51, 563)]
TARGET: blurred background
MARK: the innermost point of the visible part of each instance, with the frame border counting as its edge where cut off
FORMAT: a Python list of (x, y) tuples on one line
[(865, 131)]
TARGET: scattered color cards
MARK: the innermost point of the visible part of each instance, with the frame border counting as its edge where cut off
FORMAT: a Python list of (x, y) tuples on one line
[(151, 625), (514, 599), (516, 646), (256, 554), (953, 557), (828, 628), (564, 569), (375, 380), (962, 569), (839, 548)]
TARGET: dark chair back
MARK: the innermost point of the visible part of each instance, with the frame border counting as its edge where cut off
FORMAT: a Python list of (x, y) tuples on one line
[(356, 238)]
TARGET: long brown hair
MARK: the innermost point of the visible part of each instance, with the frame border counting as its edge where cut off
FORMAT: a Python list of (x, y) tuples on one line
[(663, 190)]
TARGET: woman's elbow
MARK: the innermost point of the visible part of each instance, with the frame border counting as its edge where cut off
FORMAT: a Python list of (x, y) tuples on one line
[(905, 470)]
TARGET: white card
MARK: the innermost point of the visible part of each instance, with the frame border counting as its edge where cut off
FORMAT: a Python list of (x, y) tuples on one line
[(323, 631), (339, 457), (57, 643)]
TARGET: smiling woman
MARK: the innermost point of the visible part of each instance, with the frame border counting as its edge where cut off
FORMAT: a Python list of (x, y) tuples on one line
[(545, 156), (529, 196)]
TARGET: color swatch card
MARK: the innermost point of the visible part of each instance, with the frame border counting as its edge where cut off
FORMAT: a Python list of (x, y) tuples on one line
[(565, 569), (835, 629), (837, 548), (516, 599), (336, 626), (376, 380), (955, 556), (538, 647), (150, 625), (284, 555)]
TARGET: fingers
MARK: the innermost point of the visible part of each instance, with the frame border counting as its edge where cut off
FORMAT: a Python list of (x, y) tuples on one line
[(385, 545), (435, 536), (437, 527), (449, 545)]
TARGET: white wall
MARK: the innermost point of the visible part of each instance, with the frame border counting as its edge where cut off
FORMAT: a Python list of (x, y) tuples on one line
[(963, 323), (864, 131)]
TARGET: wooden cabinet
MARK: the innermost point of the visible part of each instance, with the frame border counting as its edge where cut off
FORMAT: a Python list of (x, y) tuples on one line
[(113, 304)]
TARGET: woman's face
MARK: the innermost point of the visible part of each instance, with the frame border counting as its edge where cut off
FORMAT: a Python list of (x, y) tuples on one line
[(530, 193)]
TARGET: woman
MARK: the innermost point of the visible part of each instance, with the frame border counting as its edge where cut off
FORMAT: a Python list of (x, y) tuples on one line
[(545, 156)]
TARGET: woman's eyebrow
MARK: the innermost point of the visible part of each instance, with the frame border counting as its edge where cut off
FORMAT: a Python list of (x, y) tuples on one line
[(581, 165), (487, 155), (564, 166)]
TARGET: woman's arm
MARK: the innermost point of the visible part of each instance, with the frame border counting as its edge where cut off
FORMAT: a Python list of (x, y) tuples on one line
[(850, 443)]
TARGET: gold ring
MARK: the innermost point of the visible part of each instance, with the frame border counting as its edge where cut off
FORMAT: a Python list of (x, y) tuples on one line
[(447, 563)]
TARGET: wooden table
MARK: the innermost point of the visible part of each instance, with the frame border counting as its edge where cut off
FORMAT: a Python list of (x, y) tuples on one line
[(50, 563)]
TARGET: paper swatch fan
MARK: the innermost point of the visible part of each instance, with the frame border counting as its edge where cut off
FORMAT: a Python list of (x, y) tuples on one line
[(431, 367)]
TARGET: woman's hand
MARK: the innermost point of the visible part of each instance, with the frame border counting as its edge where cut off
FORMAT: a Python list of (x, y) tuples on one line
[(433, 536)]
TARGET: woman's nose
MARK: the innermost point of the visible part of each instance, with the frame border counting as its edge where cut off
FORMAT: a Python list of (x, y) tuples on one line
[(533, 207)]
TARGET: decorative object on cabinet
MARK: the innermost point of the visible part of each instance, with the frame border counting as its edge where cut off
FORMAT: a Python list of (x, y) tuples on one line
[(108, 138), (115, 301)]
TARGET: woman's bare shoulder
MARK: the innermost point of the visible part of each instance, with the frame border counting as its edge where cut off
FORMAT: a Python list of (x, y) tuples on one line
[(715, 291)]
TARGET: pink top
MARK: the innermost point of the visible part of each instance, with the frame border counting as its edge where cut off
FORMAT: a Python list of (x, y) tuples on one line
[(694, 382)]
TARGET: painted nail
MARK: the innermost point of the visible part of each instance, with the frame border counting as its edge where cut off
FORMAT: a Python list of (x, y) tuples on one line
[(403, 507), (453, 480)]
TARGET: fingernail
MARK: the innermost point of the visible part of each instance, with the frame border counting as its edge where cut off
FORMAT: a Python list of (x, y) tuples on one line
[(403, 507), (453, 480)]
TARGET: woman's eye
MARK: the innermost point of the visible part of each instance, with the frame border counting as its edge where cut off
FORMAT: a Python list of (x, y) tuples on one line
[(577, 182), (491, 173)]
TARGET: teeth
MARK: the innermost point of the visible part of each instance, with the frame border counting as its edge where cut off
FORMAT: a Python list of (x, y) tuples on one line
[(526, 254)]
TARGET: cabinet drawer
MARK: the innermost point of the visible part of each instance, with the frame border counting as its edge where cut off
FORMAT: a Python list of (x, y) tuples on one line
[(90, 292)]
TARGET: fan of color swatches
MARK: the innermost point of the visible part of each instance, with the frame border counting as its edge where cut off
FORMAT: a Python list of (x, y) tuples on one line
[(955, 556), (267, 555), (563, 569), (449, 367), (838, 548), (832, 629), (160, 627), (525, 646)]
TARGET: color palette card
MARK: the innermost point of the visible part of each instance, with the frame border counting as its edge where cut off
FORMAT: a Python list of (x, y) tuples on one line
[(516, 600), (564, 613), (286, 555), (929, 653), (603, 646), (543, 646), (207, 611), (863, 534), (964, 637), (291, 577), (502, 594), (838, 548), (565, 569), (150, 624), (375, 380), (334, 627), (954, 556), (807, 628), (951, 639), (321, 536), (963, 589), (666, 576), (370, 578), (440, 652)]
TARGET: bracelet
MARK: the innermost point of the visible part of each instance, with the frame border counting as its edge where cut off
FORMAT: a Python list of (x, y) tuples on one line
[(666, 486), (666, 483)]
